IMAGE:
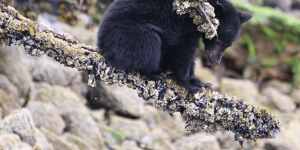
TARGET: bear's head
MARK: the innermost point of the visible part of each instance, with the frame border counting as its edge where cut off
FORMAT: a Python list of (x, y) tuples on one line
[(231, 21)]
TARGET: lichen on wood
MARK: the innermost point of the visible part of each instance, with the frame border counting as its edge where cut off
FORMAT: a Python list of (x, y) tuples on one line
[(205, 110)]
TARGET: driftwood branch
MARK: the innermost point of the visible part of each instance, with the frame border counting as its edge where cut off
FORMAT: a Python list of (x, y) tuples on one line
[(207, 110)]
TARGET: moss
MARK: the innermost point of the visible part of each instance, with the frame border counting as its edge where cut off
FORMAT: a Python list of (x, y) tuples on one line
[(274, 23)]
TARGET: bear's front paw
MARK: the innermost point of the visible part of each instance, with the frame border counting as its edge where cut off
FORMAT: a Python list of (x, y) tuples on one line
[(199, 83), (194, 85)]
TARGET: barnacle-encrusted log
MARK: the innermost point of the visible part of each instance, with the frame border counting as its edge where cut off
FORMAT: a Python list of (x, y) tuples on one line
[(203, 15), (207, 110)]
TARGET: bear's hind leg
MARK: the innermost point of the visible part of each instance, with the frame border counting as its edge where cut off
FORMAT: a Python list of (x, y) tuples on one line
[(132, 47)]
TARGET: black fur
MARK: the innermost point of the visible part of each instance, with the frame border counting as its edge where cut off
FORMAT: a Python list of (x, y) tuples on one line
[(149, 37)]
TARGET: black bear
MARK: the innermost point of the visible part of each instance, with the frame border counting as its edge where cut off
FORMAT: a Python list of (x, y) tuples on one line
[(148, 36)]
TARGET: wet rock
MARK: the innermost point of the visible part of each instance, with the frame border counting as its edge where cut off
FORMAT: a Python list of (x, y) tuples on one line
[(243, 89), (281, 101), (12, 66), (47, 116), (199, 141), (12, 142), (8, 103), (21, 124)]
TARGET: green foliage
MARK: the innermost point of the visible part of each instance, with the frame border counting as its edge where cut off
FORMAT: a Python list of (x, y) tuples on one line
[(277, 27), (295, 65), (278, 22), (250, 45), (269, 62), (119, 136), (275, 37)]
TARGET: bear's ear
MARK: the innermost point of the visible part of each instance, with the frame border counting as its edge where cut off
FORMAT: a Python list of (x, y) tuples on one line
[(244, 16)]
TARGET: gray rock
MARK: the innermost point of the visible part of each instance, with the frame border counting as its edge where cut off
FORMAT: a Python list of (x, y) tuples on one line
[(113, 138), (20, 123), (226, 142), (126, 100), (206, 75), (130, 145), (99, 97), (79, 142), (283, 87), (81, 124), (275, 145), (281, 101), (44, 69), (58, 142), (132, 129), (99, 116), (296, 96), (12, 142), (8, 103), (199, 141), (1, 113), (157, 139), (42, 142), (290, 134), (63, 98), (75, 114), (120, 129), (12, 66), (8, 87), (283, 5), (287, 139), (47, 116), (173, 126), (76, 32), (243, 89)]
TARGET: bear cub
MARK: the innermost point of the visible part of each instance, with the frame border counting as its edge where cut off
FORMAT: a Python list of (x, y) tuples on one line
[(148, 36)]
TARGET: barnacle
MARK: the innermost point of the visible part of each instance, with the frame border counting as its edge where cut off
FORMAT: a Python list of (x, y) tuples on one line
[(202, 13)]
